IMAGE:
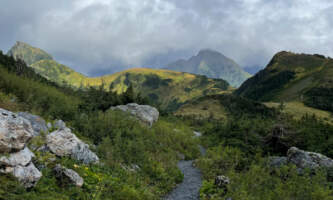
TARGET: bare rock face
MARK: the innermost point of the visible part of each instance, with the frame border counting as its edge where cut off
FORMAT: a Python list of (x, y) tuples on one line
[(63, 173), (64, 143), (147, 114), (15, 132), (303, 159), (20, 165), (38, 124)]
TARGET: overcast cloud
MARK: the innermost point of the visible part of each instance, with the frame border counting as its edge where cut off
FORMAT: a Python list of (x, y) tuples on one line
[(96, 36)]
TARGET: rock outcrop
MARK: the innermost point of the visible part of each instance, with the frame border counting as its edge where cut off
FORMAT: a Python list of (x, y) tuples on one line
[(303, 159), (20, 165), (70, 175), (63, 142), (15, 131), (146, 114), (22, 158), (38, 124)]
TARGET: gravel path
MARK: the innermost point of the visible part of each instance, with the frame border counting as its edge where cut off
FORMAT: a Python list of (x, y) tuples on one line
[(189, 188)]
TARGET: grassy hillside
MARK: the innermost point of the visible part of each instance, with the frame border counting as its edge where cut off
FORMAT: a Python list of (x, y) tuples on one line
[(166, 88), (293, 77), (213, 65), (221, 107), (119, 140), (299, 110), (58, 73)]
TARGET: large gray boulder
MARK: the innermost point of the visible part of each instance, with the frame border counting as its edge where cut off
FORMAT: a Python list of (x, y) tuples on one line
[(70, 175), (38, 124), (63, 142), (15, 132), (303, 159), (20, 165), (146, 114)]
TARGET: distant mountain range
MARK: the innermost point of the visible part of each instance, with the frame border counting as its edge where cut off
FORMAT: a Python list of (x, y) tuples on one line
[(291, 77), (212, 64), (164, 87)]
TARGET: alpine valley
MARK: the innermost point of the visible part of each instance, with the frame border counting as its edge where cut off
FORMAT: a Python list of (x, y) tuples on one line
[(177, 133)]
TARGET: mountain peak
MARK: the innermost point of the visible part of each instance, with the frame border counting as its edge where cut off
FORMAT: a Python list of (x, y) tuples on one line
[(28, 53), (212, 64)]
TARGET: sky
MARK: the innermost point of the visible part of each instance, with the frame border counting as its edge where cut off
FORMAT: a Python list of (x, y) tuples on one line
[(103, 36)]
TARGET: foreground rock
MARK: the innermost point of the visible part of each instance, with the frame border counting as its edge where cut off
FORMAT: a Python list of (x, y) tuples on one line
[(303, 159), (38, 124), (146, 114), (64, 174), (15, 131), (64, 143), (20, 165)]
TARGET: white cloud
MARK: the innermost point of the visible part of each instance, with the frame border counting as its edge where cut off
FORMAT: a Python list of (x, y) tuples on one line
[(90, 34)]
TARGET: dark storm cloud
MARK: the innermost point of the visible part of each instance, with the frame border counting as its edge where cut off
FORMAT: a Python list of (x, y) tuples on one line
[(108, 35)]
